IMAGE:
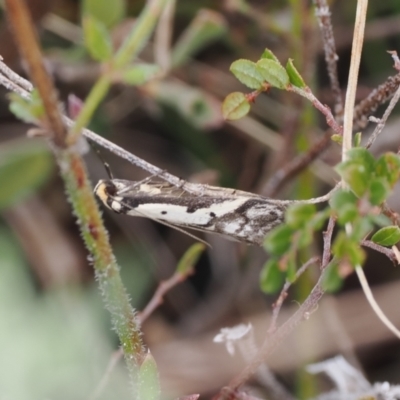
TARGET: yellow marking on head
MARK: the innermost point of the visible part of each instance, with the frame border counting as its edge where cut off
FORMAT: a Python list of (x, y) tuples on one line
[(101, 193)]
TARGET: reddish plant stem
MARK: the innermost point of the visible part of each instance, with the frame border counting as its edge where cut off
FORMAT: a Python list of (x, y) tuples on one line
[(326, 255), (376, 98), (162, 289), (384, 250), (325, 110), (324, 20), (273, 341), (278, 304)]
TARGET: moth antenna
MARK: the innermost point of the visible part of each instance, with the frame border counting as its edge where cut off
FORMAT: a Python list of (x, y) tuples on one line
[(106, 165), (108, 169)]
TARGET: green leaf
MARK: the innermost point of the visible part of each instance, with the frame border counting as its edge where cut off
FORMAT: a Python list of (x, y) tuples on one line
[(279, 240), (299, 215), (348, 249), (361, 227), (207, 27), (342, 198), (344, 204), (387, 236), (355, 175), (294, 76), (107, 13), (247, 73), (357, 139), (347, 213), (378, 191), (271, 277), (148, 380), (269, 55), (306, 236), (140, 74), (235, 106), (30, 111), (291, 266), (273, 73), (317, 221), (388, 167), (380, 220), (331, 280), (24, 167), (190, 258), (361, 156), (97, 39)]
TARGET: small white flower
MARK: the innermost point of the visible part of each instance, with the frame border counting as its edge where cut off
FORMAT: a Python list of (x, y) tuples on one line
[(231, 335)]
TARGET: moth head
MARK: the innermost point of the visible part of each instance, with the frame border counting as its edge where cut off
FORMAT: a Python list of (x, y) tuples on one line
[(106, 190)]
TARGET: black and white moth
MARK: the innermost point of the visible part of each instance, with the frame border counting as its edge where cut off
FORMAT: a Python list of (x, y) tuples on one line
[(235, 214)]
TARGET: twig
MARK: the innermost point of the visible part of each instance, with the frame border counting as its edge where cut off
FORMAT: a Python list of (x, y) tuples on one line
[(294, 167), (381, 124), (284, 292), (14, 77), (376, 98), (273, 341), (326, 255), (384, 250), (279, 335), (162, 289), (119, 151), (324, 20), (325, 110), (394, 217)]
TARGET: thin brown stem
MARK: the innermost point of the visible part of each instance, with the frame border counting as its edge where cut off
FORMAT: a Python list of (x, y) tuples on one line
[(326, 255), (159, 294), (389, 253), (27, 40), (376, 98), (325, 110), (273, 341), (382, 122), (296, 166), (284, 292), (394, 217), (324, 20)]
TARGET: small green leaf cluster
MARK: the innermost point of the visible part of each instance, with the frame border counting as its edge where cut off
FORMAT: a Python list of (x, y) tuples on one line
[(368, 178), (370, 182), (260, 76), (284, 242)]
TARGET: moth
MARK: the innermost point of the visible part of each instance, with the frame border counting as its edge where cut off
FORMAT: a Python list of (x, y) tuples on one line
[(235, 214)]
